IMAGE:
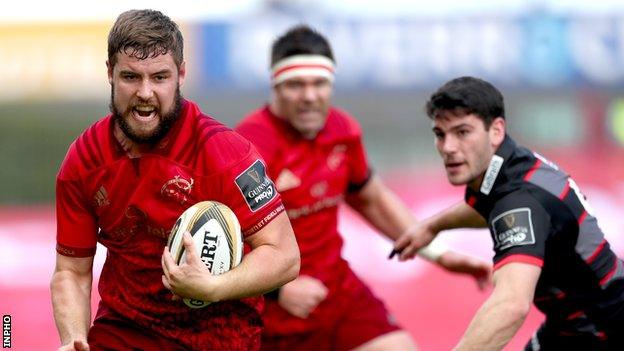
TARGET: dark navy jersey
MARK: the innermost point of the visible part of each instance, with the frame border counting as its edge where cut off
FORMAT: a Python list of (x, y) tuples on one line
[(537, 215)]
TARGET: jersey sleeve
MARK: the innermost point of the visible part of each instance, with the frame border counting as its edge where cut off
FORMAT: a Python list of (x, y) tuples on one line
[(360, 171), (76, 234), (266, 143), (251, 193), (520, 227)]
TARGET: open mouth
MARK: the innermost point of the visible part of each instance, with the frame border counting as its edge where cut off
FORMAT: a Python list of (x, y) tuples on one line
[(144, 113), (453, 166)]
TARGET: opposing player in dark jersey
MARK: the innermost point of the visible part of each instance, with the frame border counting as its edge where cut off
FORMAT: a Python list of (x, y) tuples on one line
[(316, 155), (124, 182), (548, 246)]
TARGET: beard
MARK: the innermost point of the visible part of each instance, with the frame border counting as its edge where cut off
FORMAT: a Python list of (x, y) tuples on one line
[(167, 119)]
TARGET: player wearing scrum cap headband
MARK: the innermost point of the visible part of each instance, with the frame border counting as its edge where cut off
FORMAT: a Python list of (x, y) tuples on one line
[(316, 155)]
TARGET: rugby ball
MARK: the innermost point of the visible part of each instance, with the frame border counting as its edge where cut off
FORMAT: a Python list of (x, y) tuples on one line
[(217, 236)]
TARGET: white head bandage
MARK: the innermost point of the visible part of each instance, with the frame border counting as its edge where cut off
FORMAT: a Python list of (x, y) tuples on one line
[(302, 65)]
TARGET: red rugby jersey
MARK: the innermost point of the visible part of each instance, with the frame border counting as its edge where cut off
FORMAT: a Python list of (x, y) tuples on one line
[(312, 176), (130, 204)]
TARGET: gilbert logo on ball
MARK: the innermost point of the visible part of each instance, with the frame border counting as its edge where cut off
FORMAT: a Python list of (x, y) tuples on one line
[(217, 236)]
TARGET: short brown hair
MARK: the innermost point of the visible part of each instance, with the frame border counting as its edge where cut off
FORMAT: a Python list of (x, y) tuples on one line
[(145, 33)]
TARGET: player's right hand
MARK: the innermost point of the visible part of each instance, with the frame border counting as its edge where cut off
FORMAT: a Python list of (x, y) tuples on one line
[(413, 239), (75, 345), (301, 296)]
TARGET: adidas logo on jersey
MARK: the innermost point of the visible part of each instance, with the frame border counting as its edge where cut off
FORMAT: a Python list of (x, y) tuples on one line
[(101, 197), (287, 180)]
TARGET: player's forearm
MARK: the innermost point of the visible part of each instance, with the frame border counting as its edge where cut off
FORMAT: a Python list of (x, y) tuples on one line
[(71, 303), (264, 269), (495, 324), (382, 209), (460, 215)]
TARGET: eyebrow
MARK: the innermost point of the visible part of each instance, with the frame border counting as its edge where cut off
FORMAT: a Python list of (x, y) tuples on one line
[(463, 125), (163, 71)]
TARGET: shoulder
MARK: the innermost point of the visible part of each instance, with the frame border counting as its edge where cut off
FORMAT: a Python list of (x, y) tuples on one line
[(88, 151), (519, 209), (219, 146), (257, 125), (523, 197), (341, 124)]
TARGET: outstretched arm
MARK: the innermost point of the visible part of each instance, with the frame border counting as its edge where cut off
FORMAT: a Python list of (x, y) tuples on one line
[(71, 300), (388, 214), (422, 233), (500, 317)]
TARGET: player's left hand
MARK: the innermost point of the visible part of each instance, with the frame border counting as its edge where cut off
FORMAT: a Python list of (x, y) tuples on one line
[(455, 262), (191, 279)]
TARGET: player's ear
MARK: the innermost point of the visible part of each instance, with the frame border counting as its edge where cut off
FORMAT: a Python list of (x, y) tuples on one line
[(182, 73), (109, 69), (497, 131)]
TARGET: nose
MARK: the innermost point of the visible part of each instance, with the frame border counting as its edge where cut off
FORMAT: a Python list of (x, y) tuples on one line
[(145, 91), (309, 92), (447, 145)]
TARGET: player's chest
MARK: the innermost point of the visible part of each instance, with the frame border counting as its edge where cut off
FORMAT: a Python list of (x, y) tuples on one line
[(307, 173), (143, 195)]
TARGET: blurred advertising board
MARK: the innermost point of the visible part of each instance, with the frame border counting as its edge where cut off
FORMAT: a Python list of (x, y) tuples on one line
[(526, 50), (56, 61), (539, 49), (53, 61)]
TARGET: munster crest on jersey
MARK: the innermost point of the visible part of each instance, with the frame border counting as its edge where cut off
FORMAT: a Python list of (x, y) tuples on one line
[(177, 189)]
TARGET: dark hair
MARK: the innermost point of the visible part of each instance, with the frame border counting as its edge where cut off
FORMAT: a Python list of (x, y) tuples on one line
[(468, 95), (300, 40), (145, 33)]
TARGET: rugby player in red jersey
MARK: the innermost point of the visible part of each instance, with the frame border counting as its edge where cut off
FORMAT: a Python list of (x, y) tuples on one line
[(124, 182), (316, 156)]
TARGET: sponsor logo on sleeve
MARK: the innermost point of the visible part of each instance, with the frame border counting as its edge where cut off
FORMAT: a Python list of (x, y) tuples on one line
[(513, 228), (256, 187)]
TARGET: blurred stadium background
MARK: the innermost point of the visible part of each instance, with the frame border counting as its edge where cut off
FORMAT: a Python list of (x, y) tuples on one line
[(560, 65)]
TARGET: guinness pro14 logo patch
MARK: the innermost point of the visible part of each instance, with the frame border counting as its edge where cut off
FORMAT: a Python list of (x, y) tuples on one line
[(257, 189), (513, 228)]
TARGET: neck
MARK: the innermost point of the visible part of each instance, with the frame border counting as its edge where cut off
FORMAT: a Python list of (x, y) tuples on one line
[(475, 184), (131, 148)]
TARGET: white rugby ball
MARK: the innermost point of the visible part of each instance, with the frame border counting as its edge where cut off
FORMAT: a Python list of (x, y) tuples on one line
[(217, 236)]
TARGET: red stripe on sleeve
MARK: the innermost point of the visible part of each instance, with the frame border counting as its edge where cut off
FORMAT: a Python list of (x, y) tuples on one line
[(565, 191), (529, 174), (536, 261), (582, 217), (595, 253), (575, 315), (607, 277), (75, 251)]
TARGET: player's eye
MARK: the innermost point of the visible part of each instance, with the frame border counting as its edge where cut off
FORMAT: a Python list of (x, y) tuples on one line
[(294, 85), (463, 132), (129, 76), (321, 83)]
